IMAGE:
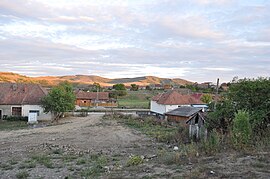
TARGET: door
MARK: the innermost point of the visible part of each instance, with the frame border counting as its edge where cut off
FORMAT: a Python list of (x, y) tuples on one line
[(0, 114)]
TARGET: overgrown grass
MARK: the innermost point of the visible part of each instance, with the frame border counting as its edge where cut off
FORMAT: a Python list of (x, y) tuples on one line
[(22, 174), (148, 126), (43, 160), (134, 160), (12, 125), (97, 168)]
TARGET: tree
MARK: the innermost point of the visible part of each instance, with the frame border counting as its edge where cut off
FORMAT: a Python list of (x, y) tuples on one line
[(250, 95), (119, 86), (120, 90), (134, 87), (253, 96), (148, 88), (206, 98), (59, 100), (97, 87)]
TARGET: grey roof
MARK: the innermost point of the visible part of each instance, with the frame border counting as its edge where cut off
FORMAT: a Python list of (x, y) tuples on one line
[(185, 111)]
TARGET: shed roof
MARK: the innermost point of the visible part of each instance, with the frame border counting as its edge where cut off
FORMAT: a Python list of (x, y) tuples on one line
[(184, 111), (92, 95), (175, 98), (21, 94)]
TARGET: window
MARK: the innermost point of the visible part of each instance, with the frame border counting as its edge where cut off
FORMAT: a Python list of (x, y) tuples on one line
[(16, 111), (34, 111)]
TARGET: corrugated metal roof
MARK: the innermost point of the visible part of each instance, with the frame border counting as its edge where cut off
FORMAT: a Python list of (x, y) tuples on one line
[(185, 111)]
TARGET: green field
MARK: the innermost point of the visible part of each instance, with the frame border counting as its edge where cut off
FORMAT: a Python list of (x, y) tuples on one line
[(136, 99)]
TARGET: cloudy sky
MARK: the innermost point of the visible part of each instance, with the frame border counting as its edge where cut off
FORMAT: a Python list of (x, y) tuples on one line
[(198, 40)]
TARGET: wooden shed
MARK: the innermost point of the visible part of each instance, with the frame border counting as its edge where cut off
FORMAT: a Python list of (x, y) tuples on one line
[(191, 117)]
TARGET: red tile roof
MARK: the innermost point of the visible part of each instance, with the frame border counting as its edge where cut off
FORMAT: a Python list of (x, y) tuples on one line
[(21, 94), (197, 95), (92, 95), (175, 98)]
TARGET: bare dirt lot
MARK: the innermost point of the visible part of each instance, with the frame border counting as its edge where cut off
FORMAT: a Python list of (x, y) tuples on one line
[(89, 147)]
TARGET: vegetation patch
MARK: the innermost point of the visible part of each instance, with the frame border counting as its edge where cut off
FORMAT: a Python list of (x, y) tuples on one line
[(22, 174), (150, 126), (43, 160), (12, 125), (134, 160)]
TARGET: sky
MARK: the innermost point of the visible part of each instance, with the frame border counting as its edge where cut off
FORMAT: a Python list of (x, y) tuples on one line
[(197, 40)]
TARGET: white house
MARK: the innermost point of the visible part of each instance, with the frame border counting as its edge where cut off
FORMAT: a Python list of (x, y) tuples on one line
[(22, 99), (162, 103)]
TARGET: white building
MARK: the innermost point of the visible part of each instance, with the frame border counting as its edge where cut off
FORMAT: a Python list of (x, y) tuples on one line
[(171, 100), (22, 99)]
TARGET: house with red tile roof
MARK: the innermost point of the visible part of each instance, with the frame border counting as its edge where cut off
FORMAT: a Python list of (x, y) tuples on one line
[(165, 102), (18, 99), (91, 99)]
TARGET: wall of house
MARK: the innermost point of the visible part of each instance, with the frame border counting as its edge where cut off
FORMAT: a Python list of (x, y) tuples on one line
[(170, 107), (161, 108), (7, 110), (157, 108), (41, 116)]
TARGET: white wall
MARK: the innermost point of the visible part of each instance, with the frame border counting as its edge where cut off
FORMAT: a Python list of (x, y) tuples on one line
[(42, 115), (7, 110), (161, 108), (170, 107), (157, 108)]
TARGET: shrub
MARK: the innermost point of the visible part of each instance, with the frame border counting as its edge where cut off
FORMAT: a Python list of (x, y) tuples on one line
[(212, 144), (15, 118), (134, 160), (22, 174), (241, 129)]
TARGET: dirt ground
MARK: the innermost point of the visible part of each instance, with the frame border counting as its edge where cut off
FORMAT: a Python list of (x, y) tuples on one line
[(81, 138)]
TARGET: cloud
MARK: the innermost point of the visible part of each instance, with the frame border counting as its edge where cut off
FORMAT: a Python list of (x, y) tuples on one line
[(199, 40)]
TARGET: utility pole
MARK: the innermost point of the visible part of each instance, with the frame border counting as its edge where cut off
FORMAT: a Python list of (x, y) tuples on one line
[(97, 95), (216, 94)]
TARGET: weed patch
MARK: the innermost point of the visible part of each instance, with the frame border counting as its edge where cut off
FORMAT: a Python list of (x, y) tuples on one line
[(43, 160), (134, 160), (22, 174)]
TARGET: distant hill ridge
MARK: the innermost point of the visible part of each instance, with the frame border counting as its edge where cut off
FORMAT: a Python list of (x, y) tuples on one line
[(89, 79)]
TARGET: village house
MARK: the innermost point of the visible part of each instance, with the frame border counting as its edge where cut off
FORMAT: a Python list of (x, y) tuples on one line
[(162, 103), (93, 99), (21, 100)]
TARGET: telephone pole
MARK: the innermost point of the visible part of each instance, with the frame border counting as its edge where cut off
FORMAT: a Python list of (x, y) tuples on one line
[(215, 105)]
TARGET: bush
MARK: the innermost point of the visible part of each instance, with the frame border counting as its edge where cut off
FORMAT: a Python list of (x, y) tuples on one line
[(212, 144), (134, 160), (15, 118), (241, 129)]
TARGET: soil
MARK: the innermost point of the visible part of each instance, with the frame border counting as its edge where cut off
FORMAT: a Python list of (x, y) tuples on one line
[(85, 136)]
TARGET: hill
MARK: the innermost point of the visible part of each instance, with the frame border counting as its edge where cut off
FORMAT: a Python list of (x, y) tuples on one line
[(89, 79)]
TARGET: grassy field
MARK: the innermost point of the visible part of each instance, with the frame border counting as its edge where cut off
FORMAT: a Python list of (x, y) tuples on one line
[(12, 125), (136, 99)]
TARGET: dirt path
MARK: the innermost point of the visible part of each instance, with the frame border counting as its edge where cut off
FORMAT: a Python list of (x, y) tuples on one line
[(88, 133)]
